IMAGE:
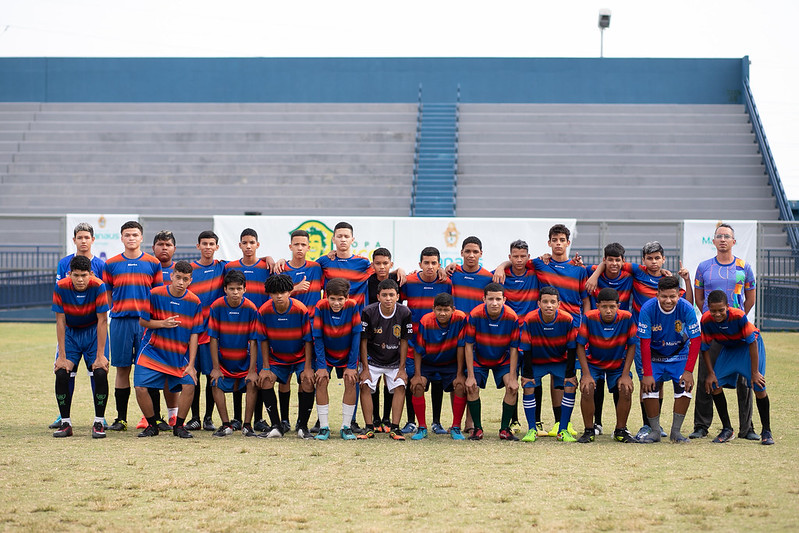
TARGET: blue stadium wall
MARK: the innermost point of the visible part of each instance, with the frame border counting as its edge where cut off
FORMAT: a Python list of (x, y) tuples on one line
[(377, 80)]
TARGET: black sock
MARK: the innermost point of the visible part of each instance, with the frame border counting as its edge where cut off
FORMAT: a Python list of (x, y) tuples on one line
[(409, 406), (156, 399), (258, 412), (556, 412), (388, 401), (643, 414), (763, 407), (152, 420), (62, 395), (270, 404), (179, 421), (437, 398), (376, 405), (122, 396), (195, 402), (720, 401), (285, 397), (538, 392), (515, 416), (599, 400), (100, 392), (209, 398), (305, 407), (237, 404)]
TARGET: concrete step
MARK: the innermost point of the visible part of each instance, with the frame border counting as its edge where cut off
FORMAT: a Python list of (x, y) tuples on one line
[(666, 120), (677, 202), (690, 109), (590, 189), (365, 168), (273, 117), (194, 107), (467, 159), (651, 212), (192, 127), (179, 147), (145, 181), (235, 159), (568, 169), (468, 137), (601, 128), (475, 149), (216, 137)]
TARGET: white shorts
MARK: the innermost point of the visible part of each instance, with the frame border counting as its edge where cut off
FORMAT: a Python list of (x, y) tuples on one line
[(390, 377)]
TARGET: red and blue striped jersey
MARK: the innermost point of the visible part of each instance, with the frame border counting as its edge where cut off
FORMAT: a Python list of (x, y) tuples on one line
[(606, 344), (233, 328), (547, 342), (98, 265), (130, 282), (622, 283), (420, 295), (567, 278), (80, 308), (167, 272), (166, 350), (492, 338), (336, 336), (521, 292), (286, 332), (313, 274), (736, 330), (355, 269), (645, 286), (206, 284), (467, 287), (256, 276), (438, 345)]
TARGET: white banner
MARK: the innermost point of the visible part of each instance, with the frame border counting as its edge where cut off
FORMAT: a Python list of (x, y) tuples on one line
[(107, 238), (405, 237), (698, 244)]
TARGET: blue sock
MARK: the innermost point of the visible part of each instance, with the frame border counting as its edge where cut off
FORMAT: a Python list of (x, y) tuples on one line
[(567, 405), (528, 401)]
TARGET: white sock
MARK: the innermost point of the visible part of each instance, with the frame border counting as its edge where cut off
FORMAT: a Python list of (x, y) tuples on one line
[(67, 420), (322, 411), (347, 412), (172, 411), (98, 419)]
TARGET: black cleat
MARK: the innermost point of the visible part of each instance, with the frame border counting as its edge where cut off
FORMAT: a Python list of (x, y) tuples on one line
[(64, 430), (149, 431), (182, 432)]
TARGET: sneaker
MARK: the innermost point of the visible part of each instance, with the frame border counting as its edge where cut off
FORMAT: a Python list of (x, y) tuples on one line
[(193, 425), (643, 433), (247, 431), (409, 429), (356, 428), (679, 439), (273, 433), (597, 429), (699, 433), (438, 429), (64, 430), (56, 423), (396, 434), (455, 433), (421, 433), (477, 434), (588, 436), (726, 435), (304, 433), (98, 431), (182, 432), (515, 427), (649, 438), (322, 433), (368, 433), (223, 431), (119, 425), (261, 425), (142, 423), (622, 435), (162, 425), (750, 435), (316, 428), (540, 431), (235, 424), (766, 439), (172, 420), (285, 426), (530, 436), (347, 434), (149, 431), (208, 424), (565, 436), (507, 434)]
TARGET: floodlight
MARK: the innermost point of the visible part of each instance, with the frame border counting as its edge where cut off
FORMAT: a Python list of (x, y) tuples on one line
[(604, 18)]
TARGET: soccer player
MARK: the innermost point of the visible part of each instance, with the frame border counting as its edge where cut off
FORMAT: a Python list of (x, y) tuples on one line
[(336, 325), (669, 335), (232, 327), (81, 306), (606, 348), (284, 330), (735, 277), (742, 355), (492, 343), (521, 283), (306, 275), (164, 249), (439, 353), (387, 327), (129, 277), (548, 346), (173, 318)]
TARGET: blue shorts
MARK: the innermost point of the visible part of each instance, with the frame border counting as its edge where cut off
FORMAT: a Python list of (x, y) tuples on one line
[(734, 362), (226, 384), (126, 335), (445, 374), (611, 376), (481, 375), (153, 379), (81, 343), (556, 370), (283, 372), (669, 372), (203, 362)]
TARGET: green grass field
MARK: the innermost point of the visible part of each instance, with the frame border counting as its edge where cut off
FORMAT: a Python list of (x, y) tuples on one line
[(165, 483)]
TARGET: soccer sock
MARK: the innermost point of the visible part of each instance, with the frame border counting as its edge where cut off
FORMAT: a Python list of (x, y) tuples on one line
[(458, 407), (305, 408), (599, 400), (376, 405), (419, 408), (676, 426), (529, 403), (474, 409), (643, 414), (285, 397), (557, 412), (195, 402), (66, 420), (156, 399), (100, 393), (567, 406), (654, 423), (258, 413), (515, 416), (209, 398), (179, 422), (409, 406), (507, 414), (720, 401), (62, 392), (122, 396), (388, 399), (237, 404), (347, 414), (322, 411), (437, 398), (91, 380), (172, 411), (763, 408), (152, 420), (539, 398), (270, 404)]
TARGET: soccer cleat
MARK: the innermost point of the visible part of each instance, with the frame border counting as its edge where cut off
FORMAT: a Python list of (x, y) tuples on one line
[(507, 434), (726, 435), (142, 423), (597, 429), (323, 433), (409, 429), (679, 439), (438, 429), (223, 431), (530, 436), (515, 427), (182, 432), (455, 433), (162, 425), (356, 428), (587, 436), (378, 425), (750, 435), (396, 434), (477, 434), (119, 425), (235, 424), (285, 426), (766, 439), (261, 425), (304, 433), (649, 438), (662, 432), (208, 424), (420, 434), (98, 431), (368, 433), (554, 431), (571, 430), (699, 433), (193, 424), (149, 431), (540, 431), (272, 433), (105, 424), (64, 430), (172, 420), (56, 423), (643, 433), (247, 431), (386, 425), (565, 436), (316, 427), (347, 434), (622, 435)]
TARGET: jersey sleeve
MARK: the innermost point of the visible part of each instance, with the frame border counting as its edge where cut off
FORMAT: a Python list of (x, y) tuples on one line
[(747, 329), (470, 330), (58, 302), (749, 278), (213, 323), (147, 309), (706, 337), (306, 327), (101, 301), (407, 327), (632, 333), (691, 324), (582, 333), (699, 278), (644, 325), (158, 276), (199, 324)]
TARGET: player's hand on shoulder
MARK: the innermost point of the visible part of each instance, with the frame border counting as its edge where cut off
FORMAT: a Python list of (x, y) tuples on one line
[(577, 260), (545, 258), (279, 267), (450, 268)]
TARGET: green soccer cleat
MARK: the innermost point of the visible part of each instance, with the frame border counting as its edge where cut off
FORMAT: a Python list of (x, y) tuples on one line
[(530, 436), (565, 436)]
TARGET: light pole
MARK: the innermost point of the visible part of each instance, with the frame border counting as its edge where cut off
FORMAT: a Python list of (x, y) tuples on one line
[(604, 23)]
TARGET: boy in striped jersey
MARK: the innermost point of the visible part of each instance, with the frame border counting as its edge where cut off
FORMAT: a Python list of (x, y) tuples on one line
[(605, 348), (173, 319), (81, 308), (492, 343), (306, 275), (163, 249), (128, 277), (336, 325), (233, 332)]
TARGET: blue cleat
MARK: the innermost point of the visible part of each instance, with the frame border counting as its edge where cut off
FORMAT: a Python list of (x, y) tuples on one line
[(455, 433), (438, 429), (420, 434)]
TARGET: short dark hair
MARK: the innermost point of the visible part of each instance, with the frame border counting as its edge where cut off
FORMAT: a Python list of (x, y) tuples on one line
[(493, 287), (614, 249), (444, 299), (549, 290), (652, 247), (337, 287), (725, 225), (519, 244), (299, 233), (387, 284), (430, 251), (382, 252), (208, 234), (234, 276), (184, 267), (608, 294), (248, 232), (278, 284), (559, 229), (717, 296), (132, 224), (164, 235), (668, 282), (83, 226), (80, 262), (344, 225), (472, 240)]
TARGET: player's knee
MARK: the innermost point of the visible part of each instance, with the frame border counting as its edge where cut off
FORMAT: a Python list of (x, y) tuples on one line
[(100, 374), (682, 394), (459, 389)]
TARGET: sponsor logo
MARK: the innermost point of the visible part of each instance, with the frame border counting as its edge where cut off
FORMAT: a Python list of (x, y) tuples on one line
[(101, 222), (451, 235)]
